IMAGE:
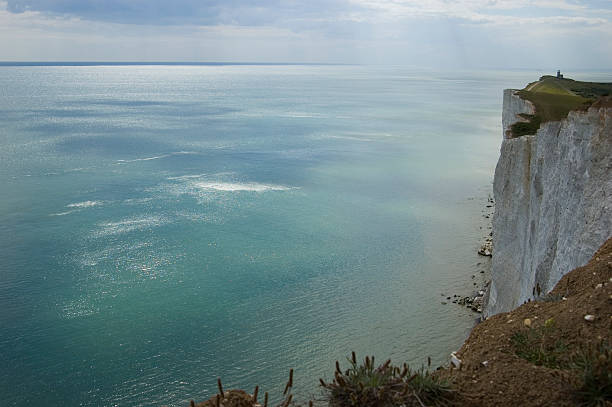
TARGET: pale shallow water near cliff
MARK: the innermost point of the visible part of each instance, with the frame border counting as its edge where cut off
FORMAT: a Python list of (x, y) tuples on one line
[(162, 226)]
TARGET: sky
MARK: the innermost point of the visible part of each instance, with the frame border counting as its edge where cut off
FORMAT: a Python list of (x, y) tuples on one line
[(452, 34)]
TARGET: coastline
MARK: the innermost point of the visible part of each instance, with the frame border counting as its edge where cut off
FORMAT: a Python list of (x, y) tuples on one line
[(480, 277), (532, 353), (167, 243)]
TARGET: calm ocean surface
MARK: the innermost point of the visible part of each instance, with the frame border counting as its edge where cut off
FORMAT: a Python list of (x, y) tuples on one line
[(161, 226)]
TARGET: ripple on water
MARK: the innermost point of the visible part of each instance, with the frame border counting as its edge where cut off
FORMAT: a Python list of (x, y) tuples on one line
[(85, 204), (136, 223), (78, 308)]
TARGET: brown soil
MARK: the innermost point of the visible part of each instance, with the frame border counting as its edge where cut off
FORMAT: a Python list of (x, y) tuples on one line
[(231, 398), (604, 101), (508, 380)]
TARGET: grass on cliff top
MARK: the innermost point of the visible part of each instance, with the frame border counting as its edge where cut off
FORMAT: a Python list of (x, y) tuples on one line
[(554, 98)]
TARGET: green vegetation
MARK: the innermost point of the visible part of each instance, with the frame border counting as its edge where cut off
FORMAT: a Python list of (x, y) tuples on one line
[(538, 346), (590, 366), (554, 106), (531, 126), (594, 364), (385, 386), (554, 98)]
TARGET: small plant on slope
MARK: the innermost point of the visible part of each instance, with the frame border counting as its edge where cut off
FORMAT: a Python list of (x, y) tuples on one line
[(239, 398), (594, 362), (386, 385), (538, 346)]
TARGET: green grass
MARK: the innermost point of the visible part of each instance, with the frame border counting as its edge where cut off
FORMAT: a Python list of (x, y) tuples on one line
[(591, 365), (554, 106), (538, 346), (554, 98), (566, 86), (550, 86), (594, 364)]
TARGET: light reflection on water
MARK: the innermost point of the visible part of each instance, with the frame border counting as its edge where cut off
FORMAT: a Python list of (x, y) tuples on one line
[(233, 221)]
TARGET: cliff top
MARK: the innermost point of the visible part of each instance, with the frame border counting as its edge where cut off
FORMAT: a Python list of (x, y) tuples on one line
[(566, 86), (554, 98)]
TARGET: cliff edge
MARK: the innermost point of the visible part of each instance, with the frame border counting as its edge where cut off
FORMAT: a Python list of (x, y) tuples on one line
[(553, 194)]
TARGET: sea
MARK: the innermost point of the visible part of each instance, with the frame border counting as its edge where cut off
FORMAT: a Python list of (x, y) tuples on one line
[(162, 226)]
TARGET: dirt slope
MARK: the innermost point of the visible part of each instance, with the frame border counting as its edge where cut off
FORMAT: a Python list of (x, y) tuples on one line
[(508, 380)]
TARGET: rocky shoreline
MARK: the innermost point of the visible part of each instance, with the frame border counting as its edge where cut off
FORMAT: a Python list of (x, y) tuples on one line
[(476, 300), (486, 249)]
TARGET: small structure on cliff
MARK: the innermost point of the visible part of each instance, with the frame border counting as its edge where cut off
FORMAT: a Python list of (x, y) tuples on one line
[(559, 74), (552, 187)]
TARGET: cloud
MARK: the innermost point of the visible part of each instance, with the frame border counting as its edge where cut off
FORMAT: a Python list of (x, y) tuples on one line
[(341, 17), (478, 11), (439, 33), (198, 12)]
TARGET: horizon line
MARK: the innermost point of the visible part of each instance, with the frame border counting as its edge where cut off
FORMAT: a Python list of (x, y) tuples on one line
[(159, 63), (247, 63)]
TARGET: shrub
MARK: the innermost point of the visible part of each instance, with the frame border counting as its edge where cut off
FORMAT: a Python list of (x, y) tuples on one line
[(594, 364), (529, 127), (365, 385), (239, 398), (538, 346)]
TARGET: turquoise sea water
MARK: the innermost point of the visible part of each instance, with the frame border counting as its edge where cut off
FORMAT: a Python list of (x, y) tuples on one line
[(161, 226)]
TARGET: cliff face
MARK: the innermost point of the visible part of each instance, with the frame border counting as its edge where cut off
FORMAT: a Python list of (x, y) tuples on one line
[(553, 194)]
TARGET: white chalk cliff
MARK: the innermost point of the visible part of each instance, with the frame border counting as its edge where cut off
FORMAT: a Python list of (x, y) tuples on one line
[(553, 201)]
